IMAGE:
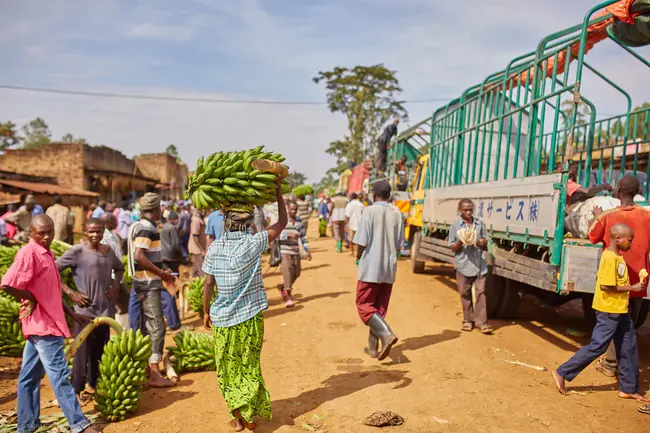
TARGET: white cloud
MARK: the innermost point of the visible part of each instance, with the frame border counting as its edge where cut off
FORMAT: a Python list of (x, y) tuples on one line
[(159, 31)]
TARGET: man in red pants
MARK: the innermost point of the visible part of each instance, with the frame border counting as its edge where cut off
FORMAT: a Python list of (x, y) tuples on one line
[(380, 237)]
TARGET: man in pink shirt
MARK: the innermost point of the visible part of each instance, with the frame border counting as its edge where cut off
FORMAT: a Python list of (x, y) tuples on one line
[(33, 279)]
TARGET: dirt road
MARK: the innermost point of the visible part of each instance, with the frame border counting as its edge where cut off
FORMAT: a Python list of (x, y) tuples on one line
[(438, 379)]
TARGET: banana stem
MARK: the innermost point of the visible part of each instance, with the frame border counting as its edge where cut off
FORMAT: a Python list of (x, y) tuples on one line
[(271, 167), (88, 329)]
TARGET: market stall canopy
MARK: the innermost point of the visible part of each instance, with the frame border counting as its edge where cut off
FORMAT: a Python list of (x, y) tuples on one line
[(47, 188)]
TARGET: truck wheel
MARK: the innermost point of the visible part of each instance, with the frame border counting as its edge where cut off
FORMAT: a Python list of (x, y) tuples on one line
[(588, 313), (495, 286), (510, 299), (417, 266)]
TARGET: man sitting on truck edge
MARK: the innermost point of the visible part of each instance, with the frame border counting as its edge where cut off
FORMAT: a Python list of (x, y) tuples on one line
[(468, 240), (638, 218), (613, 321), (576, 193)]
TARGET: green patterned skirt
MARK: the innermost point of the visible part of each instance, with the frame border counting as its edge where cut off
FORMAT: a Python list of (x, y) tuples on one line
[(237, 351)]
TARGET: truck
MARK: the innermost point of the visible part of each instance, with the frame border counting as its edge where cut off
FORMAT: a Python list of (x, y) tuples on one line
[(507, 143)]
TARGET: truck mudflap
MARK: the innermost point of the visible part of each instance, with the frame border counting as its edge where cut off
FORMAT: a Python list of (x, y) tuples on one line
[(525, 208)]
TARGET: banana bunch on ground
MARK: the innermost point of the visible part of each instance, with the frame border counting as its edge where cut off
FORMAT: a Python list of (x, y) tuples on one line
[(12, 341), (7, 255), (237, 180), (195, 295), (122, 371), (194, 351)]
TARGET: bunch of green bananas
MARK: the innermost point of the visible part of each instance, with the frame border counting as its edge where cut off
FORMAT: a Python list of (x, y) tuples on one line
[(12, 341), (59, 248), (195, 295), (122, 371), (128, 279), (194, 351), (229, 179)]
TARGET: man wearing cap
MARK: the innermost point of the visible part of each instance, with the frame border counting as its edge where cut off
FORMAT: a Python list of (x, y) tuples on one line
[(145, 264), (379, 237)]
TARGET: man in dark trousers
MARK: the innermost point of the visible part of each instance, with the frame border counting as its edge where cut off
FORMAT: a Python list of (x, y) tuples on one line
[(379, 237), (468, 240), (383, 141)]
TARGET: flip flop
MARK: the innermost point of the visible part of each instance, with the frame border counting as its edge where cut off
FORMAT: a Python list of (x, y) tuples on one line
[(486, 330), (467, 327), (644, 409)]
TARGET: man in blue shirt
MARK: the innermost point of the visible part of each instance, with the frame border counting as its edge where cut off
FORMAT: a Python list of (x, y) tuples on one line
[(214, 227), (467, 239), (99, 210)]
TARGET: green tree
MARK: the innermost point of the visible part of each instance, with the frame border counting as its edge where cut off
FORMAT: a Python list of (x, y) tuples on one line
[(8, 135), (639, 123), (69, 138), (36, 133), (368, 97), (295, 178), (172, 151)]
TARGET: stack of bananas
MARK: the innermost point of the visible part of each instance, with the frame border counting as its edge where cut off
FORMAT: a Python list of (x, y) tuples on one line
[(194, 351), (195, 295), (12, 341), (122, 371), (237, 180)]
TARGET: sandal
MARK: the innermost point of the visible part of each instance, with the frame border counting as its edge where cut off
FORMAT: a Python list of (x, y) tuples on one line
[(486, 330), (644, 409), (467, 326), (602, 369)]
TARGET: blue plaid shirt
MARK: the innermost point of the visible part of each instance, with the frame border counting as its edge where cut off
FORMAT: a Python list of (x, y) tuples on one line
[(235, 262)]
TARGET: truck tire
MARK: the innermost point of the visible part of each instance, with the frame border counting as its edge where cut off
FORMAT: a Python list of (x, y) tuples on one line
[(417, 266), (494, 288), (590, 314), (643, 314), (511, 297)]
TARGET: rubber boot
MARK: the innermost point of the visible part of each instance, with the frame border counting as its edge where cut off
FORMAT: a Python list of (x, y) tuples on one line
[(339, 246), (380, 328), (373, 345)]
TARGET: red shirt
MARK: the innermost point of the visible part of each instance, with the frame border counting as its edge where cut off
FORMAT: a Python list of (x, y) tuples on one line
[(34, 270), (571, 188), (11, 229), (638, 219)]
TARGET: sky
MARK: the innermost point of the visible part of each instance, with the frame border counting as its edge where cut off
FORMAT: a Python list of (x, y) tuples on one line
[(261, 50)]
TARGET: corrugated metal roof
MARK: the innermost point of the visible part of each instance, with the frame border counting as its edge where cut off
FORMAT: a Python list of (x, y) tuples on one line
[(47, 188)]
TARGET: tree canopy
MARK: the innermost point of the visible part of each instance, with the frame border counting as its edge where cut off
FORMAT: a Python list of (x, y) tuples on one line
[(36, 133), (69, 138), (368, 97), (295, 178), (8, 135)]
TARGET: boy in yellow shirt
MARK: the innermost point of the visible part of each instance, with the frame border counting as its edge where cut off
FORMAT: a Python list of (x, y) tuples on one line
[(613, 321)]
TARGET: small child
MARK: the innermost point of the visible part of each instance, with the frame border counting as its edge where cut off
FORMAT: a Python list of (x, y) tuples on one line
[(613, 321)]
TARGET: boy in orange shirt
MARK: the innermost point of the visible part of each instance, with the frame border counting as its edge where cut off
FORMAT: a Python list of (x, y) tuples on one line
[(613, 320)]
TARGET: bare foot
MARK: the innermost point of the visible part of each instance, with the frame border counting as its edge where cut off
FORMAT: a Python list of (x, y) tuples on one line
[(90, 429), (560, 383), (637, 397), (249, 425), (237, 425), (157, 381)]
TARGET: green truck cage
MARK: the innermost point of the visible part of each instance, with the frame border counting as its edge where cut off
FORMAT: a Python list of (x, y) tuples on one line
[(520, 129)]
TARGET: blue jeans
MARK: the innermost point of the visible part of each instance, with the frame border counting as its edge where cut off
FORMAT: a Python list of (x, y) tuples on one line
[(170, 310), (45, 355), (617, 327)]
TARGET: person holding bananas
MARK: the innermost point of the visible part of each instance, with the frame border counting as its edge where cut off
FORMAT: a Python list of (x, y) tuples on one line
[(233, 266)]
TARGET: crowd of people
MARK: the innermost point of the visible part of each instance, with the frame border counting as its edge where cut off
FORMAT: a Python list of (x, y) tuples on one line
[(226, 248)]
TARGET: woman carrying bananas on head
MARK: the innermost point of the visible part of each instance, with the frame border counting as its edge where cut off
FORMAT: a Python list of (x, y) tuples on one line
[(233, 266)]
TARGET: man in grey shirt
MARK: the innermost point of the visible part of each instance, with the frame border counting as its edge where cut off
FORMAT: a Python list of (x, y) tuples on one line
[(379, 237), (93, 266), (468, 240)]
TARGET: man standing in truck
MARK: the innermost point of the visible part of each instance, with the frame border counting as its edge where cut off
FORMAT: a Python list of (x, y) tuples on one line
[(638, 219), (383, 141), (468, 240)]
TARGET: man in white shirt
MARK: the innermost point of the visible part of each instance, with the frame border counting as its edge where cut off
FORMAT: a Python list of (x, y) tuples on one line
[(353, 212)]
